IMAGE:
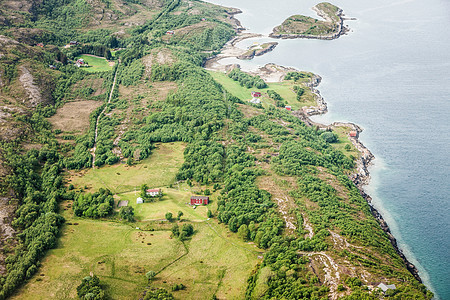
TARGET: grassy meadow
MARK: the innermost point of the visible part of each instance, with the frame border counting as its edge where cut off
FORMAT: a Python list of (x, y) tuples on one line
[(283, 88), (213, 261), (156, 171), (173, 201), (343, 141), (96, 63)]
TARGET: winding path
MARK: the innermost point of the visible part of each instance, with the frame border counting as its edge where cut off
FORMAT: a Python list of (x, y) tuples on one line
[(99, 116)]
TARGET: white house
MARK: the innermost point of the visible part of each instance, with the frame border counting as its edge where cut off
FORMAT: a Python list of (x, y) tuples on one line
[(139, 200), (153, 192)]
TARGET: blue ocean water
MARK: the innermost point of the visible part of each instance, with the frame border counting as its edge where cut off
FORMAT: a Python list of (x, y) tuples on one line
[(390, 75)]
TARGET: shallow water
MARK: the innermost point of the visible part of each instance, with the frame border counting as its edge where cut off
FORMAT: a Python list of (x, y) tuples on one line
[(390, 75)]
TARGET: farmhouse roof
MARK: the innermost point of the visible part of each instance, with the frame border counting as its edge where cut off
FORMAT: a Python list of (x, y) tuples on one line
[(199, 197), (153, 190)]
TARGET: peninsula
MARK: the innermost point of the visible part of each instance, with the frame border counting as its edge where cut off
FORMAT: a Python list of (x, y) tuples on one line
[(299, 26)]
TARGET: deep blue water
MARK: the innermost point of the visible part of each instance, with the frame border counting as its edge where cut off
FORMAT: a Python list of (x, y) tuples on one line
[(390, 75)]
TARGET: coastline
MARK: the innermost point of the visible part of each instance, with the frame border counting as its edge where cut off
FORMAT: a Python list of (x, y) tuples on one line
[(273, 72)]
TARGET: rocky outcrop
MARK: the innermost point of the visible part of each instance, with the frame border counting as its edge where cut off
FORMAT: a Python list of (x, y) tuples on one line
[(258, 51), (321, 105), (28, 83), (231, 12)]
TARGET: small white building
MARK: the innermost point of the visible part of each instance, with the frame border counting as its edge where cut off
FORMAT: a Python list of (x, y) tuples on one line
[(385, 287), (153, 192), (139, 200)]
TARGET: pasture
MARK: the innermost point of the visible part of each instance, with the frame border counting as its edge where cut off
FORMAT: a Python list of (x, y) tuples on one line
[(96, 63), (156, 171), (213, 261), (284, 88)]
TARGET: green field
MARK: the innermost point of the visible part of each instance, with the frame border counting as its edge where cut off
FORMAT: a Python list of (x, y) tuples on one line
[(214, 260), (96, 63), (342, 133), (283, 88), (117, 253), (172, 201), (156, 171)]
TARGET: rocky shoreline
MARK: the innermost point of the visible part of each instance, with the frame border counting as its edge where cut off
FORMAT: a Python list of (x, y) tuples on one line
[(362, 175), (272, 72)]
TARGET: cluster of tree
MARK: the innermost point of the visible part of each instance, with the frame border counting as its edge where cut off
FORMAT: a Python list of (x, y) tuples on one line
[(37, 182), (158, 294), (91, 289), (131, 74), (178, 287), (208, 39), (127, 213), (283, 275), (194, 113), (247, 80), (329, 137), (94, 49), (203, 162), (97, 205), (62, 18), (274, 95), (242, 205), (277, 98), (296, 76), (299, 92), (105, 137), (186, 231)]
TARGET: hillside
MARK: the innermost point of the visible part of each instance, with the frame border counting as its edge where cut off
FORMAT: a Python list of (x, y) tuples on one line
[(117, 103)]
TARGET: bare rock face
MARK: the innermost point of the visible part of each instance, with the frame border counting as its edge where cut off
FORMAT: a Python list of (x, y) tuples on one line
[(12, 11), (28, 83), (27, 35)]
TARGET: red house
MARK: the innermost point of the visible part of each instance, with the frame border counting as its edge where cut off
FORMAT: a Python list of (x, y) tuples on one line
[(170, 32), (256, 94), (353, 133), (153, 192), (288, 107), (40, 45), (199, 200)]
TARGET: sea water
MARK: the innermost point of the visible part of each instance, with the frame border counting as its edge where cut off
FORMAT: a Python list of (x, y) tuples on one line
[(391, 75)]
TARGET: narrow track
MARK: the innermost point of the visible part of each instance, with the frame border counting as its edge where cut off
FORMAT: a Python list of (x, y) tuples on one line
[(100, 115)]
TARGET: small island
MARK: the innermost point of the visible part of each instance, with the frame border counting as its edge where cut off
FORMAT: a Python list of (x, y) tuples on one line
[(299, 26), (257, 50)]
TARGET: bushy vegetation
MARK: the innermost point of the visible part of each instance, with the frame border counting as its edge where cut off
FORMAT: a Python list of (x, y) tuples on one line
[(131, 74), (296, 76), (97, 205), (299, 91), (158, 294), (38, 184), (91, 288), (247, 80)]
